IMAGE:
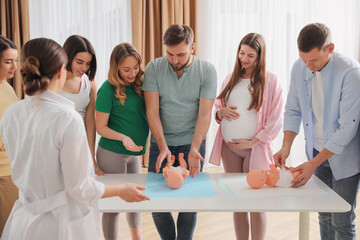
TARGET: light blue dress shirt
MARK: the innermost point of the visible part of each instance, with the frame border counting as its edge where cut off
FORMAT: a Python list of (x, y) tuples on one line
[(341, 85)]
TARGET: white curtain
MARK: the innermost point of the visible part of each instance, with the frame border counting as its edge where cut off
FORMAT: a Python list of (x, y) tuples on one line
[(104, 23), (223, 23)]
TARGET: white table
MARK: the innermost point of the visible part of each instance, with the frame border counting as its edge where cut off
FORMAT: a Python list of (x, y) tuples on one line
[(222, 202)]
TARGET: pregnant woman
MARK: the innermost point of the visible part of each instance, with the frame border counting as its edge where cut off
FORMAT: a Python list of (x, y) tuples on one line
[(249, 110)]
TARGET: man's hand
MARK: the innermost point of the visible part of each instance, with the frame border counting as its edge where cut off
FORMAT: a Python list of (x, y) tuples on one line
[(281, 156), (306, 169), (163, 154), (194, 159)]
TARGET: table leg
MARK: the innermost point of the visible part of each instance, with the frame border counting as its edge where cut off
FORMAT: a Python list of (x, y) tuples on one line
[(304, 222)]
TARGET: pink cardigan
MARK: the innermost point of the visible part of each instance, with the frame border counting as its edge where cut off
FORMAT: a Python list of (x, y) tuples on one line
[(269, 123)]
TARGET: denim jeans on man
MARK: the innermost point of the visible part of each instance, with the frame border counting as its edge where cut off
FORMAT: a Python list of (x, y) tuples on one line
[(186, 221), (339, 226)]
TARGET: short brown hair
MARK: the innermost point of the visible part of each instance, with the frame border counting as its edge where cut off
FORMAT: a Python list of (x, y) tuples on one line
[(176, 34), (314, 35), (75, 44)]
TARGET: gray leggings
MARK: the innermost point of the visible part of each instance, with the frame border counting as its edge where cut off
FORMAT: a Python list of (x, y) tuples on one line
[(111, 162)]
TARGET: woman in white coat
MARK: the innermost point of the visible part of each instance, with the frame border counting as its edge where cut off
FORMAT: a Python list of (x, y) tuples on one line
[(52, 165)]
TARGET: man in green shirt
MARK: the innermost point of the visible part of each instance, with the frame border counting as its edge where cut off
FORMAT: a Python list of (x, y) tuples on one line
[(179, 91)]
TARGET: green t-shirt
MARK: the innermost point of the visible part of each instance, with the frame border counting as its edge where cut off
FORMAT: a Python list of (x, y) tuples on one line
[(128, 119)]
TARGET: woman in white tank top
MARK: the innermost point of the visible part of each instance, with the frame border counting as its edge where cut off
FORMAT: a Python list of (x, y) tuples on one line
[(80, 85), (249, 110)]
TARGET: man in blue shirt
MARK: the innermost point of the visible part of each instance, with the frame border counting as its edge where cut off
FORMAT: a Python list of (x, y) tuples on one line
[(179, 91), (324, 95)]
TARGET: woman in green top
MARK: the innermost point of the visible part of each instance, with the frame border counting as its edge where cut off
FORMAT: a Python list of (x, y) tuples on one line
[(121, 121)]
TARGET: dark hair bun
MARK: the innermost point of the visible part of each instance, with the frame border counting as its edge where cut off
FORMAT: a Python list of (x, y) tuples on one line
[(33, 81), (30, 68)]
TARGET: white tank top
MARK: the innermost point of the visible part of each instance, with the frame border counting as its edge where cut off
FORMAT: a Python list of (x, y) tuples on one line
[(82, 98), (245, 126)]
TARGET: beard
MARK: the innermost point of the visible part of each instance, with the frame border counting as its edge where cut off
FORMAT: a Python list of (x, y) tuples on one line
[(176, 69)]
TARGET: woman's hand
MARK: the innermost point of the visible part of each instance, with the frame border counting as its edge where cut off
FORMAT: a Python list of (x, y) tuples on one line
[(131, 192), (228, 113), (243, 144), (130, 145), (98, 171)]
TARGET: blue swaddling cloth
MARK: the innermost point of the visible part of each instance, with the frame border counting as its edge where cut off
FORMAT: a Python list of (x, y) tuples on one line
[(198, 187)]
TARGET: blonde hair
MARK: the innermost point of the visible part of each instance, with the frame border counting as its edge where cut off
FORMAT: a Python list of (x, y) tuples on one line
[(257, 79), (118, 55)]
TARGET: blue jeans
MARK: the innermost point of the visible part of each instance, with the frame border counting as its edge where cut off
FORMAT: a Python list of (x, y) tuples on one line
[(338, 225), (186, 221)]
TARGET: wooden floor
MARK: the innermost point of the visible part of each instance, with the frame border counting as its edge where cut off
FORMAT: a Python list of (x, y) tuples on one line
[(219, 226)]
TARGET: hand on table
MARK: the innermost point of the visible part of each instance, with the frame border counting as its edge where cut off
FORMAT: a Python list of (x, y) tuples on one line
[(306, 169)]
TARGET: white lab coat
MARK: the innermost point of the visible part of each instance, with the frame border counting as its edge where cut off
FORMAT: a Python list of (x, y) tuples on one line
[(52, 166)]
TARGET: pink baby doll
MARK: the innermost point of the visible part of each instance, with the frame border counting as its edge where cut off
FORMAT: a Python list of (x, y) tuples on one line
[(175, 176), (276, 177)]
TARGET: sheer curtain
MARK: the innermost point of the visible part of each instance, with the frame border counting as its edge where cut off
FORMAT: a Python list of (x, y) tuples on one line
[(104, 23), (222, 24)]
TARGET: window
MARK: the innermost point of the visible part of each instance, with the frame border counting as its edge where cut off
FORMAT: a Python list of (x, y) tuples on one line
[(222, 24), (104, 23)]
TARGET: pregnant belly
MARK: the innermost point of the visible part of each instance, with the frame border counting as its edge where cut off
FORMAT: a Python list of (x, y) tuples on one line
[(242, 128)]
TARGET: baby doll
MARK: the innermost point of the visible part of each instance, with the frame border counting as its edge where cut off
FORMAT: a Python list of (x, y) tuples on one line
[(276, 177), (175, 176)]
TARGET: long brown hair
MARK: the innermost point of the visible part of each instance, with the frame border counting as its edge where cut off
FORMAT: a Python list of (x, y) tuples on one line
[(257, 79), (5, 44), (118, 55)]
